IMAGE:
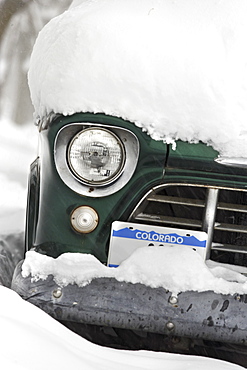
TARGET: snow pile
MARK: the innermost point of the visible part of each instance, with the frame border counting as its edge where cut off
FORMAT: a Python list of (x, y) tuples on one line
[(178, 69), (13, 204), (176, 268), (30, 339), (18, 146)]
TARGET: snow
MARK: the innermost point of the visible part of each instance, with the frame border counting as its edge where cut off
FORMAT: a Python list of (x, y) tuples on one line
[(178, 69), (18, 146), (30, 339), (176, 268)]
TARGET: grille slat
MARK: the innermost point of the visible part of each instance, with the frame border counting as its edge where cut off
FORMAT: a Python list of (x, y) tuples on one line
[(168, 220), (232, 228), (221, 212), (232, 207), (176, 200), (229, 247)]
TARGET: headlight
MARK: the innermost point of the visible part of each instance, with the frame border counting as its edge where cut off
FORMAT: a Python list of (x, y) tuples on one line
[(96, 156), (95, 160)]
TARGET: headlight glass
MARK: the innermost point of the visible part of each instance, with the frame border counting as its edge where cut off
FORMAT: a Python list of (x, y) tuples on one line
[(96, 156)]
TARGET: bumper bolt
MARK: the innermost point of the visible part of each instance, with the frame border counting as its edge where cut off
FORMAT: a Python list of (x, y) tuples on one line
[(170, 325), (57, 293), (173, 300)]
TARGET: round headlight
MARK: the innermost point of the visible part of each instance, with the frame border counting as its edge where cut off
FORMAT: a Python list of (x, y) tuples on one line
[(96, 156)]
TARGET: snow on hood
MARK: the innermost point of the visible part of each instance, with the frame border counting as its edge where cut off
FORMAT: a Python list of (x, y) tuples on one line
[(178, 69), (176, 268)]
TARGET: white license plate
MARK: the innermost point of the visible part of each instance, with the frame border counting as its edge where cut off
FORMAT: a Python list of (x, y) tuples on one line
[(126, 237)]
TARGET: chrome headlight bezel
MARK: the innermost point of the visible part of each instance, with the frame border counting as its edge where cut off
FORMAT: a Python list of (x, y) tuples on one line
[(130, 148)]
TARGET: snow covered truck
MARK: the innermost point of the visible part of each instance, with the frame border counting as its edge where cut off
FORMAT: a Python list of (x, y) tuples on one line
[(141, 108)]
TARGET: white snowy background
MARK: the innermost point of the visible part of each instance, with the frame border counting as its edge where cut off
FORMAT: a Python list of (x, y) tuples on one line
[(30, 339)]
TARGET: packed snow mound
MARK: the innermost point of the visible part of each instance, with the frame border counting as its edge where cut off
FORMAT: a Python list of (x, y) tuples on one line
[(177, 268), (33, 340), (178, 69)]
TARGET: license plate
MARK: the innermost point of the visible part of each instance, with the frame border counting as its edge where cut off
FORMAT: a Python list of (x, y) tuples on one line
[(126, 237)]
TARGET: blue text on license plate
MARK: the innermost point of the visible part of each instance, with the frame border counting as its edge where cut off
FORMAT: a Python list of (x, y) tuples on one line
[(126, 237)]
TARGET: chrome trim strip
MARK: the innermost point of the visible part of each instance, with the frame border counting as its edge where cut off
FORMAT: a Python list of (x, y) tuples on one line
[(232, 162), (209, 217)]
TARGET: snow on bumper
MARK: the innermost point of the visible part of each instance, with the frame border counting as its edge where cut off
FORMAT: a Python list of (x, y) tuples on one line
[(108, 302)]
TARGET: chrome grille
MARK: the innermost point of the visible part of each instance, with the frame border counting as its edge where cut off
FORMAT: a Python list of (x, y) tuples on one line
[(221, 212)]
